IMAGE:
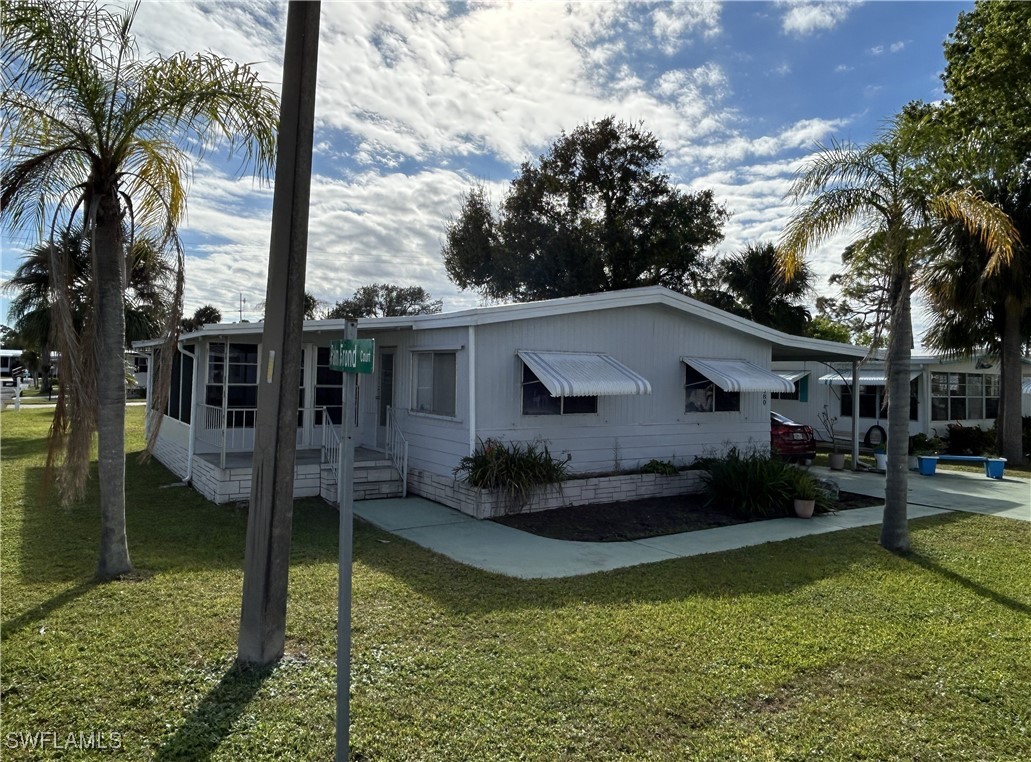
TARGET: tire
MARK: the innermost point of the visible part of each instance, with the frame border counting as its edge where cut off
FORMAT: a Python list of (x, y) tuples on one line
[(875, 435)]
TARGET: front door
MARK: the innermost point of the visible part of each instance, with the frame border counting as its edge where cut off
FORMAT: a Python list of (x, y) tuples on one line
[(384, 393)]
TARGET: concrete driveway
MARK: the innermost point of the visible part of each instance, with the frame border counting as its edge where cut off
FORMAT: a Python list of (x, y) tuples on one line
[(504, 550)]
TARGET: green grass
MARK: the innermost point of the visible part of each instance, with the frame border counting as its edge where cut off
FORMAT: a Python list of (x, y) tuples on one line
[(826, 647)]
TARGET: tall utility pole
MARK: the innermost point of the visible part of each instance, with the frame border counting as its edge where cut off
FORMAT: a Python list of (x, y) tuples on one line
[(269, 522)]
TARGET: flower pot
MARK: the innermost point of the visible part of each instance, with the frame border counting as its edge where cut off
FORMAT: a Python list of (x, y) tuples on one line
[(914, 464), (994, 468), (837, 461), (804, 508), (881, 458)]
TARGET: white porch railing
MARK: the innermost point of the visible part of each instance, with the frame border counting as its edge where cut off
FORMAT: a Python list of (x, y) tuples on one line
[(228, 430), (330, 440), (232, 430), (397, 449)]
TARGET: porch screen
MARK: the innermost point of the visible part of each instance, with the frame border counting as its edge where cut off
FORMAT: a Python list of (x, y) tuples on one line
[(233, 378)]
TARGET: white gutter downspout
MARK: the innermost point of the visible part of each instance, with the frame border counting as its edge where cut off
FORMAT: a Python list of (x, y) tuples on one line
[(855, 415), (472, 389), (193, 412)]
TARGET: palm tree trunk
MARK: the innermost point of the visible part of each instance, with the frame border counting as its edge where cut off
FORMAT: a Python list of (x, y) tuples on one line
[(110, 315), (894, 526), (1009, 420)]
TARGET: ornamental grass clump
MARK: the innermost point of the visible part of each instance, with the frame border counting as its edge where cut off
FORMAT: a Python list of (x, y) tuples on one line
[(756, 485), (516, 469)]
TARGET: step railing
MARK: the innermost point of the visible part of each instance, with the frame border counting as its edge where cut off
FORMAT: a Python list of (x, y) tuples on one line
[(330, 440), (397, 449)]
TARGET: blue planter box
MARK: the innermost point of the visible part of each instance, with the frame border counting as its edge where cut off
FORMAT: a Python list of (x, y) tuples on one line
[(927, 464), (994, 468)]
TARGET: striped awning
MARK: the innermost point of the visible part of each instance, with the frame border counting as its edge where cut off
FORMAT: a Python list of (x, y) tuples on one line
[(866, 378), (1026, 386), (792, 375), (584, 374), (739, 375)]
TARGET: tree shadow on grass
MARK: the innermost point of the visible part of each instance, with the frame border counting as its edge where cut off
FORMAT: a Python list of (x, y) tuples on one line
[(213, 719), (976, 587), (168, 528), (40, 612)]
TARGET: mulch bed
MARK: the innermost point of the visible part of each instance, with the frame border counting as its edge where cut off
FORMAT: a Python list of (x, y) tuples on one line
[(638, 519)]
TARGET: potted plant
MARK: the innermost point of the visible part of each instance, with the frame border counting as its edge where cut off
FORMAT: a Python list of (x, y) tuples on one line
[(880, 456), (921, 444), (805, 496), (837, 459)]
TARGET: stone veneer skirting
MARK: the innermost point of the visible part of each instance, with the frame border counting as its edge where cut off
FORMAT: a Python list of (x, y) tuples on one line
[(486, 504)]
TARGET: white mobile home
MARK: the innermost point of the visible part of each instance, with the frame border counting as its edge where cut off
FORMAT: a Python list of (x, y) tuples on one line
[(613, 379), (942, 391)]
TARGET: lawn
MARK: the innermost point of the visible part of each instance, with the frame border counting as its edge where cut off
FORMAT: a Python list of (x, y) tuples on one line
[(826, 647)]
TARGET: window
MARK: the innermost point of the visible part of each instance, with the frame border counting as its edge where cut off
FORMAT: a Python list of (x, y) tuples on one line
[(703, 396), (434, 389), (537, 400), (964, 396), (800, 394), (871, 401), (233, 372)]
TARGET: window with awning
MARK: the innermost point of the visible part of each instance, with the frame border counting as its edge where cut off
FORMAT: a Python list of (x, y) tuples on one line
[(713, 386), (739, 375), (564, 383), (800, 380)]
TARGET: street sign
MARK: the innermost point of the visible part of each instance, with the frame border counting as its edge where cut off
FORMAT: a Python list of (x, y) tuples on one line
[(352, 355)]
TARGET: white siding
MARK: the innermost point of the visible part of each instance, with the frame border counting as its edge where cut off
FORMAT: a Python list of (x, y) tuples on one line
[(628, 430), (435, 443)]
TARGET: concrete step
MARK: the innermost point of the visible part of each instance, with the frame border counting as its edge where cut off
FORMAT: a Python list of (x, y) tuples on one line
[(372, 480)]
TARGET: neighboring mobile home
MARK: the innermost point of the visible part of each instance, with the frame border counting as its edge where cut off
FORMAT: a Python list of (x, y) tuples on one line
[(613, 379), (942, 391)]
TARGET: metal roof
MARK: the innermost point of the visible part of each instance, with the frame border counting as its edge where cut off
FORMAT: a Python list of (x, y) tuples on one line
[(793, 375), (739, 375), (584, 374)]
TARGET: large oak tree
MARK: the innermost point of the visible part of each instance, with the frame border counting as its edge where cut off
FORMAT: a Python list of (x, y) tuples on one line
[(595, 213)]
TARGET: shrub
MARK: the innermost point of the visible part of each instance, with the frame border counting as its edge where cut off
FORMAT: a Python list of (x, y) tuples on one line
[(664, 467), (516, 469), (757, 485), (969, 440), (921, 444)]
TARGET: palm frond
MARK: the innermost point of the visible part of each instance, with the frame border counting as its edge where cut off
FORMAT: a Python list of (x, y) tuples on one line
[(984, 220)]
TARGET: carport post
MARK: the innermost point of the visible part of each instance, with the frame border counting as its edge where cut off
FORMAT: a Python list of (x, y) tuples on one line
[(855, 415)]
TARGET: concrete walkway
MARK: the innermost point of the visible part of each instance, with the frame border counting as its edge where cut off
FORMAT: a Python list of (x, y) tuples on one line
[(496, 548)]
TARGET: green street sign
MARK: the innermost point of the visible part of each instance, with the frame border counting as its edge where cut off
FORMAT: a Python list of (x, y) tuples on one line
[(352, 355)]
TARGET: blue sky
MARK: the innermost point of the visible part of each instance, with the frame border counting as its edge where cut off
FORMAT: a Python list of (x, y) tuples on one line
[(418, 101)]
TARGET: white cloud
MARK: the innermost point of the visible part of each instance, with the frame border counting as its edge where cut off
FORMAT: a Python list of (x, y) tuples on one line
[(671, 21), (804, 17), (895, 47)]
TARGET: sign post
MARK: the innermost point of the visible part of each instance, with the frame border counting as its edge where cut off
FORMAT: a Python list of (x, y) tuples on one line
[(353, 357)]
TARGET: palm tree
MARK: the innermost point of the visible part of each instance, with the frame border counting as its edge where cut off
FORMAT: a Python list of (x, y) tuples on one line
[(97, 137), (883, 188), (977, 307), (754, 277), (148, 295), (202, 316)]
